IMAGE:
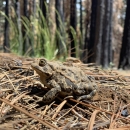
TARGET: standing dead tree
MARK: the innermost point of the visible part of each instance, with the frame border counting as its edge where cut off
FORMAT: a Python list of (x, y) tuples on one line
[(125, 50), (99, 46), (60, 28), (73, 23), (6, 45)]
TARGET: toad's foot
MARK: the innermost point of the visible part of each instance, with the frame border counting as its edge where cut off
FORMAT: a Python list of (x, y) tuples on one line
[(68, 97), (89, 96)]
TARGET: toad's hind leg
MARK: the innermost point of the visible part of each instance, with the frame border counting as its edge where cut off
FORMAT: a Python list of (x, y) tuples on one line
[(52, 94), (88, 96)]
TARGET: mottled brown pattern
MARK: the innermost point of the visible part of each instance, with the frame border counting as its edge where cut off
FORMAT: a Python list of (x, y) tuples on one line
[(64, 80)]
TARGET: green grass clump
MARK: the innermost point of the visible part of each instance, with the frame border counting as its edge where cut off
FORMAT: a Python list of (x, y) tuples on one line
[(38, 37)]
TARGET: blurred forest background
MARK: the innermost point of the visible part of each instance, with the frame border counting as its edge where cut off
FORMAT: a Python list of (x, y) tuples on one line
[(95, 31)]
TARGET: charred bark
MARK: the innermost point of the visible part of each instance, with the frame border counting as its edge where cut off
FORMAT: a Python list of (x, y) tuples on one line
[(124, 61), (27, 43), (86, 38), (43, 18), (110, 54), (90, 44), (73, 23), (99, 47), (81, 17), (106, 32), (99, 33), (43, 7), (60, 27), (17, 9), (6, 45), (104, 44)]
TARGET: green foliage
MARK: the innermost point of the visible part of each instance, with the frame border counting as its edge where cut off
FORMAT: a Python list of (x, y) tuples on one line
[(14, 33), (44, 45), (75, 41), (38, 32)]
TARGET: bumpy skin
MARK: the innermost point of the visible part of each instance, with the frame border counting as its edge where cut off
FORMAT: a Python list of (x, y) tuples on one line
[(63, 80)]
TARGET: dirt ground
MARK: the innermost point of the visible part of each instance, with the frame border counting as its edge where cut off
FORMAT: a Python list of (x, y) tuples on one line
[(20, 107)]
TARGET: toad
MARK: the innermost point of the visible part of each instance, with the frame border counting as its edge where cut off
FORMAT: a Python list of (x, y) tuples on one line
[(64, 80)]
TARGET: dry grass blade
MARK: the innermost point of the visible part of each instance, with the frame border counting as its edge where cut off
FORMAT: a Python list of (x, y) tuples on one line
[(78, 115), (91, 106), (119, 129), (10, 82), (59, 108), (113, 115), (20, 89), (116, 117), (92, 119), (13, 101), (13, 81), (3, 104), (73, 111), (30, 115)]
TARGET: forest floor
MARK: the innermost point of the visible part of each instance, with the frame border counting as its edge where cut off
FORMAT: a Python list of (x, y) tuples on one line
[(21, 109)]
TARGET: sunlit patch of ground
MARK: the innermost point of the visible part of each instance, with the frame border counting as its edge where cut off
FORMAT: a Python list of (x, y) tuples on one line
[(123, 72)]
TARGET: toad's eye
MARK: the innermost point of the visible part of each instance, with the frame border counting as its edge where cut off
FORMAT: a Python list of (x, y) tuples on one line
[(42, 62)]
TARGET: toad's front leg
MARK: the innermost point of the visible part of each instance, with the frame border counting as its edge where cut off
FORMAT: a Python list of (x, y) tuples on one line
[(52, 94)]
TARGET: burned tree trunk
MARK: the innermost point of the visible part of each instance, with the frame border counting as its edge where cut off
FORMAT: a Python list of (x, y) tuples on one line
[(110, 55), (104, 49), (27, 46), (43, 7), (42, 22), (18, 18), (89, 9), (106, 32), (6, 45), (27, 43), (81, 17), (124, 61), (60, 27), (99, 32), (66, 7), (52, 20), (73, 23), (99, 47), (90, 45)]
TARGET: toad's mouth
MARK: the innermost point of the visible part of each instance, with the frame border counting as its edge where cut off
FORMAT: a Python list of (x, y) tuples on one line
[(36, 68), (40, 70)]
